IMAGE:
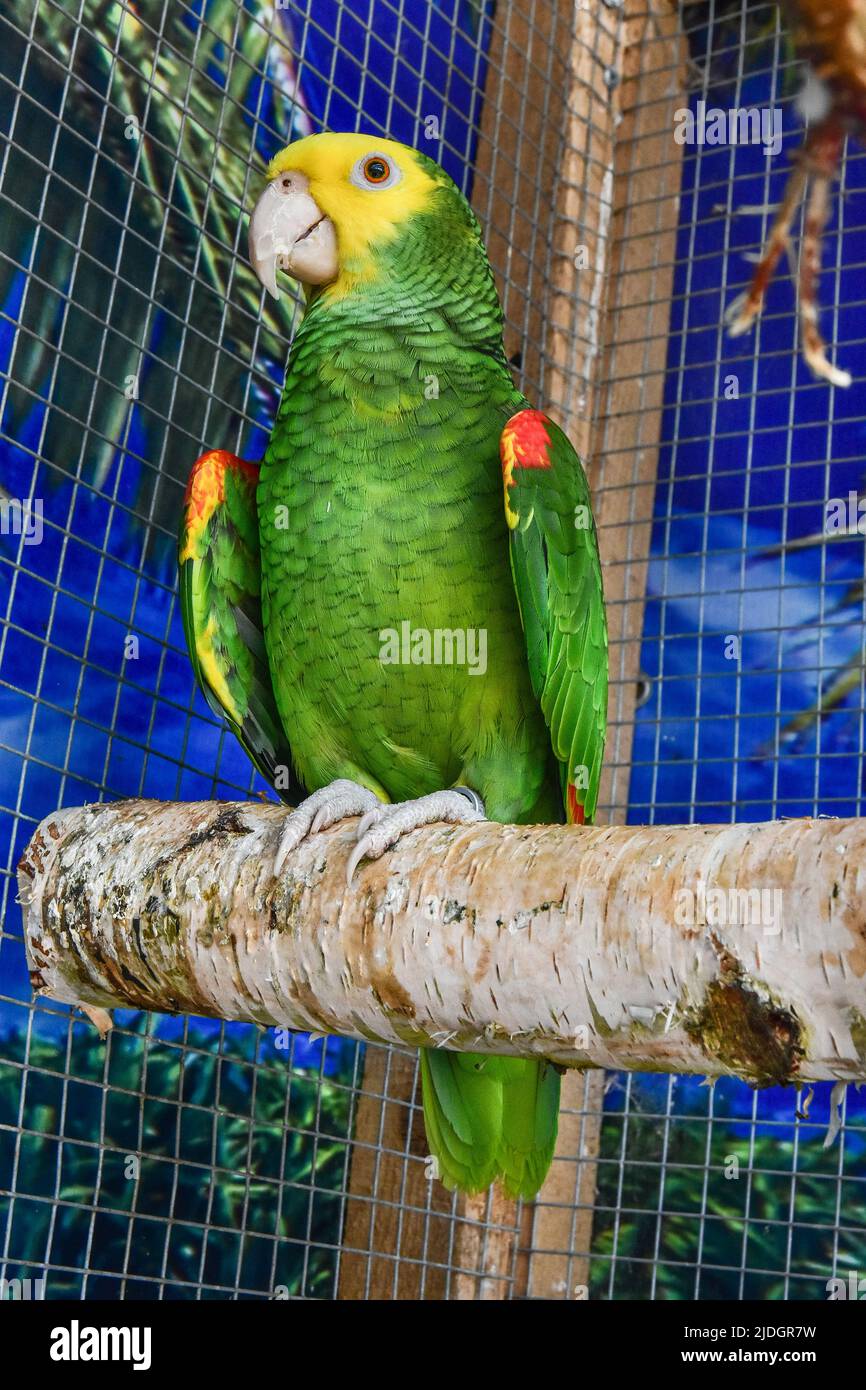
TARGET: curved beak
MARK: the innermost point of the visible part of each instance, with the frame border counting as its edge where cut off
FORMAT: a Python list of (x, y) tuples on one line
[(289, 231)]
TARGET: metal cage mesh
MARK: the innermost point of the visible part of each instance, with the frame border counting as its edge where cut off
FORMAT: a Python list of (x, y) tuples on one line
[(189, 1159)]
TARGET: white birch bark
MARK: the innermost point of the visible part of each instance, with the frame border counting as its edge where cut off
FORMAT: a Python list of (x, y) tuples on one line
[(708, 949)]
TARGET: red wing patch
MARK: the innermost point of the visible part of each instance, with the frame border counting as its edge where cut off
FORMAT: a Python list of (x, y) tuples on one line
[(206, 490), (525, 441), (576, 814)]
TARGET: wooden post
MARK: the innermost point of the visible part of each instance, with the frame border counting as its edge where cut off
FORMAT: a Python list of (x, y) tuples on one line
[(607, 344)]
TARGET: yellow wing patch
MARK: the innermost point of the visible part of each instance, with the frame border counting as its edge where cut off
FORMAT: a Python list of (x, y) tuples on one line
[(508, 454), (211, 670)]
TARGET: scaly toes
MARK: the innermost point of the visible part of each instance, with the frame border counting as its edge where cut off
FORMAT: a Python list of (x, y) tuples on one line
[(383, 825), (370, 818), (343, 799), (324, 808)]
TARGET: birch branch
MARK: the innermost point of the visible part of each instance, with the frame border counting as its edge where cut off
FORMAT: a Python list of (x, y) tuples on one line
[(708, 949)]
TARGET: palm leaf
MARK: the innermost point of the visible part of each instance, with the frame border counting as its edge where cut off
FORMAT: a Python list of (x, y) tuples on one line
[(126, 182)]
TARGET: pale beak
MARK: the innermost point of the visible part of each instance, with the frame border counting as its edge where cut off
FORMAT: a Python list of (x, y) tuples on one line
[(289, 231)]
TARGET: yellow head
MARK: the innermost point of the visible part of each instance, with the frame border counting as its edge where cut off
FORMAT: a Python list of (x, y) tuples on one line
[(333, 201)]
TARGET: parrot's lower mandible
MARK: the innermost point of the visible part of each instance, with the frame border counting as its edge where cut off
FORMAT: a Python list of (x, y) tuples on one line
[(366, 607)]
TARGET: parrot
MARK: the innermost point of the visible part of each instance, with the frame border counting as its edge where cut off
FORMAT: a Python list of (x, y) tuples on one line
[(400, 609)]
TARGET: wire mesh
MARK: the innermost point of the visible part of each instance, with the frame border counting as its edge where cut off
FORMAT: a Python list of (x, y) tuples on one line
[(719, 1192), (189, 1159)]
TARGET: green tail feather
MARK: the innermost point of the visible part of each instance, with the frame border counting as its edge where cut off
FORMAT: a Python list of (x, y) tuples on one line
[(490, 1118)]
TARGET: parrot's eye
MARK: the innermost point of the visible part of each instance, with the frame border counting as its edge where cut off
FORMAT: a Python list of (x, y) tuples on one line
[(375, 171)]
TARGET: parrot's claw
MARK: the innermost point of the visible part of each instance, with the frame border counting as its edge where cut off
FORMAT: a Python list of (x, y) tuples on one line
[(324, 808), (383, 825)]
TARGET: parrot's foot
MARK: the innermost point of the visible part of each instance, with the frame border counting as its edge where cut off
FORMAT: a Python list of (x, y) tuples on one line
[(383, 825), (325, 807)]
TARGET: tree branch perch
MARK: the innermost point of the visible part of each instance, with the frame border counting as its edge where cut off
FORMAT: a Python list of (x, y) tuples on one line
[(707, 949)]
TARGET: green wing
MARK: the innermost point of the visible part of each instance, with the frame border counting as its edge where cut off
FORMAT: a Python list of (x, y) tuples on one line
[(218, 560), (557, 578)]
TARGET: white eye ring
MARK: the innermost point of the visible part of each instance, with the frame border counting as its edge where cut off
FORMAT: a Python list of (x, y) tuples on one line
[(360, 177)]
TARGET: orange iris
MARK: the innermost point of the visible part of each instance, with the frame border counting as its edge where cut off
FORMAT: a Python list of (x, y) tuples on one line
[(376, 170)]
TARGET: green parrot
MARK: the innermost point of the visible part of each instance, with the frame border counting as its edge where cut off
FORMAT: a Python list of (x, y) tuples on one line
[(403, 603)]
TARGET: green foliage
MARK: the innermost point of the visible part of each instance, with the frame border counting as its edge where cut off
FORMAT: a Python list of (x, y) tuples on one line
[(130, 162), (683, 1206), (242, 1167), (727, 38)]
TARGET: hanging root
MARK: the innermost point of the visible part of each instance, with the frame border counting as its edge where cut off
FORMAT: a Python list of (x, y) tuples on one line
[(814, 347), (743, 311), (813, 172)]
